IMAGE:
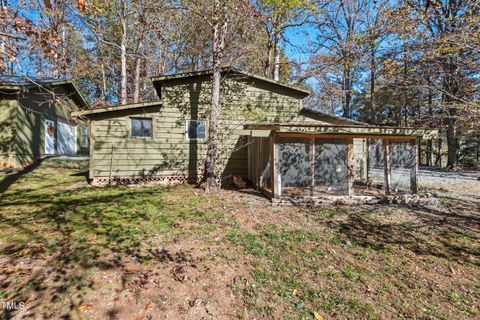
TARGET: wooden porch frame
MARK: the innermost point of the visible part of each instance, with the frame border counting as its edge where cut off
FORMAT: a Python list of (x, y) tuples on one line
[(414, 169), (344, 136), (386, 141), (276, 183), (387, 169), (350, 174)]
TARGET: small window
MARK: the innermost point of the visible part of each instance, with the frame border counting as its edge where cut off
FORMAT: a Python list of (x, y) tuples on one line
[(142, 127), (84, 137), (196, 130)]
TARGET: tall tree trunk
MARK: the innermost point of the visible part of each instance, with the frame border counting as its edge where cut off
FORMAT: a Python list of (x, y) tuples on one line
[(64, 53), (451, 139), (123, 58), (438, 161), (268, 62), (136, 91), (430, 113), (405, 90), (138, 70), (347, 91), (451, 84), (478, 155), (104, 82), (276, 66), (372, 84), (219, 25)]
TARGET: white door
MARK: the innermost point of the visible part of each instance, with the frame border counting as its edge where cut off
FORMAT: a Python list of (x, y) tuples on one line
[(49, 137), (67, 138)]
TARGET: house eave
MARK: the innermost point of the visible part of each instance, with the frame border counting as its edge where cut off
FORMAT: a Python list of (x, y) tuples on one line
[(91, 112)]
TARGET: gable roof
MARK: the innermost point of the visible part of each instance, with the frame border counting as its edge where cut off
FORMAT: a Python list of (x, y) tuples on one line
[(20, 83), (230, 71)]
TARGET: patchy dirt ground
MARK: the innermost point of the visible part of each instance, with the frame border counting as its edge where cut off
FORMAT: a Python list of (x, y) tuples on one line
[(71, 251)]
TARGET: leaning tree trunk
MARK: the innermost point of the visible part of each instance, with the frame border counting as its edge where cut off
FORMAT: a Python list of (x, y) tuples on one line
[(219, 26)]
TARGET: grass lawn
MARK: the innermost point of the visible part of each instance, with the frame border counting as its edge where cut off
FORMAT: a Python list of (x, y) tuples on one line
[(71, 251)]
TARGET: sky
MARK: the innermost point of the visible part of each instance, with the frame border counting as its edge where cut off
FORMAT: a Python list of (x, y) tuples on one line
[(298, 46)]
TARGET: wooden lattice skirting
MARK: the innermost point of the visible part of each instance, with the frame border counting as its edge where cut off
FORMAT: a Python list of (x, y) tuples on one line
[(157, 180)]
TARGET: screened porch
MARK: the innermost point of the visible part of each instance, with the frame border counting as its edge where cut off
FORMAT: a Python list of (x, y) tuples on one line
[(302, 162)]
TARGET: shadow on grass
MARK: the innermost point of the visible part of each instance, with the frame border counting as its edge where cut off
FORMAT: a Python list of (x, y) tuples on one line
[(253, 192), (447, 232), (68, 232), (11, 178), (81, 174)]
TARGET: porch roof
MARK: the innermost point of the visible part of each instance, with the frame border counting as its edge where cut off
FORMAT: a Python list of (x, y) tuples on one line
[(352, 131)]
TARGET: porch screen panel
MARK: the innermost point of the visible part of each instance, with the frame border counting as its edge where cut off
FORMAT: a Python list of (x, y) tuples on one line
[(402, 159), (294, 165), (264, 161), (375, 163), (331, 166), (260, 162)]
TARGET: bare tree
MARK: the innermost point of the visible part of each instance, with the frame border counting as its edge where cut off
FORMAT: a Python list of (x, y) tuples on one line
[(339, 25), (217, 14), (278, 16)]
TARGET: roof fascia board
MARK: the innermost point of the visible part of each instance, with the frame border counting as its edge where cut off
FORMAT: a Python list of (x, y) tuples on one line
[(69, 83), (116, 108), (17, 88), (10, 88), (348, 130)]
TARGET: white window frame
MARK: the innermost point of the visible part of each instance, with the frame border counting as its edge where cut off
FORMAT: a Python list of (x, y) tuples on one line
[(131, 127), (84, 131), (196, 139)]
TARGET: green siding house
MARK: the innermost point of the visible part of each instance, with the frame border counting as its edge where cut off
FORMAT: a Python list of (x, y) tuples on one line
[(266, 137), (172, 146), (35, 120)]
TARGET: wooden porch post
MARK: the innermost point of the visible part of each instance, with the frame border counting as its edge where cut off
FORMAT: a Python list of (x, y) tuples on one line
[(419, 150), (259, 161), (91, 142), (414, 168), (350, 175), (386, 165), (367, 167), (249, 159), (276, 183), (312, 165)]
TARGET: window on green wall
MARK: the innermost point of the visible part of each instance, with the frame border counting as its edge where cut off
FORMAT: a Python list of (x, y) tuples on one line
[(84, 137), (196, 129), (142, 127)]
